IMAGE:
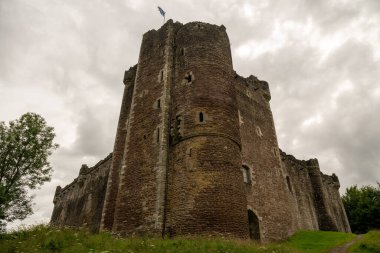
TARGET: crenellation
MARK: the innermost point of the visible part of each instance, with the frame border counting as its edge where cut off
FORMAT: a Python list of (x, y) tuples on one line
[(196, 153)]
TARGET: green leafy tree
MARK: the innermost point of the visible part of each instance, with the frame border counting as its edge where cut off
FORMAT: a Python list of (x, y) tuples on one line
[(25, 146), (363, 207)]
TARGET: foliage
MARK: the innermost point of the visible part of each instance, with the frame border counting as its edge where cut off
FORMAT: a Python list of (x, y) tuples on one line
[(369, 244), (25, 146), (49, 239), (362, 207)]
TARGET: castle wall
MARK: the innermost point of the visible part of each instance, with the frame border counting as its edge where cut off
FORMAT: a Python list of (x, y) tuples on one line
[(267, 194), (80, 203), (318, 202), (118, 150), (302, 195), (205, 190), (335, 204), (140, 199)]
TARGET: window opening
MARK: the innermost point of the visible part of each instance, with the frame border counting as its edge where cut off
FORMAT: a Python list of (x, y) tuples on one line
[(275, 152), (158, 104), (288, 183), (178, 123), (201, 118), (182, 51), (162, 75), (189, 78), (246, 175), (158, 134), (258, 131)]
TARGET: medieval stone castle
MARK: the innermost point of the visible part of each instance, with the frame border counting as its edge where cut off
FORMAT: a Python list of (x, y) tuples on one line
[(196, 153)]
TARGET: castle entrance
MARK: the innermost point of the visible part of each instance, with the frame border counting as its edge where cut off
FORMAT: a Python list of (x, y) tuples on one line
[(254, 227)]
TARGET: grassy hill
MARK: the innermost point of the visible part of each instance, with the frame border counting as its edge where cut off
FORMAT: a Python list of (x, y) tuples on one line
[(43, 238)]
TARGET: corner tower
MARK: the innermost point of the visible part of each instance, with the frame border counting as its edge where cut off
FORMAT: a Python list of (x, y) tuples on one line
[(177, 152), (205, 184)]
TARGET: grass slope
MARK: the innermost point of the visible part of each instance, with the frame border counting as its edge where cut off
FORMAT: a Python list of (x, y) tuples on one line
[(46, 239), (369, 244)]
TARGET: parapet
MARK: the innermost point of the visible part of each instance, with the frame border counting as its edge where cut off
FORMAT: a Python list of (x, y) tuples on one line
[(129, 75), (83, 172), (255, 84)]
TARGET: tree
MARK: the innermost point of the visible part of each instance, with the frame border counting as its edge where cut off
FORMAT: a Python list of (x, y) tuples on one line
[(25, 146), (363, 207)]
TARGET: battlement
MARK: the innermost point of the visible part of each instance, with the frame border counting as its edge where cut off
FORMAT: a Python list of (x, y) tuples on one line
[(84, 171)]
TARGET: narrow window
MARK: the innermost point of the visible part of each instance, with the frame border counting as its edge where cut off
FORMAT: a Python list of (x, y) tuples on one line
[(189, 78), (258, 131), (288, 183), (162, 75), (182, 51), (178, 125), (201, 117), (275, 152), (158, 104), (246, 174), (188, 152), (158, 134)]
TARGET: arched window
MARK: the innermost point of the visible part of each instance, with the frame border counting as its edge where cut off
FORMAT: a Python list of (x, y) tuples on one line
[(246, 174)]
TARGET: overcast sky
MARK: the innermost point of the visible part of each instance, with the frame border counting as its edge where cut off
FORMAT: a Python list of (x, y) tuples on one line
[(65, 61)]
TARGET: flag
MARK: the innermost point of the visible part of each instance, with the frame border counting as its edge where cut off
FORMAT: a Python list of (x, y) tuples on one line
[(161, 11)]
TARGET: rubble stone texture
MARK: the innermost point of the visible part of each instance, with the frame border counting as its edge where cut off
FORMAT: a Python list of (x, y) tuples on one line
[(196, 152)]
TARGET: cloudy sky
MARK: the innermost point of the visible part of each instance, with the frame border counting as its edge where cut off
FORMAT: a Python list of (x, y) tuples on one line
[(65, 60)]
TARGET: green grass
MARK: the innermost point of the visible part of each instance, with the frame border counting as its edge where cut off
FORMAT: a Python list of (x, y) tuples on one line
[(43, 238), (318, 241), (370, 243)]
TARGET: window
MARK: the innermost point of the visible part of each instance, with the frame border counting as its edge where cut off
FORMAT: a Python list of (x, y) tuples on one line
[(189, 78), (275, 151), (289, 185), (178, 125), (158, 103), (258, 131), (182, 51), (246, 174), (201, 119), (158, 135), (161, 75)]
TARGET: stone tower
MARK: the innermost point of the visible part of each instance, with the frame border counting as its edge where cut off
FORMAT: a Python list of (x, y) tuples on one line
[(196, 152), (177, 157)]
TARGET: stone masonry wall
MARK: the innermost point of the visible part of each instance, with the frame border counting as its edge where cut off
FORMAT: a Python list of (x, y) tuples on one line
[(80, 203), (335, 204), (140, 200), (299, 183), (318, 202), (266, 191), (205, 190), (118, 150)]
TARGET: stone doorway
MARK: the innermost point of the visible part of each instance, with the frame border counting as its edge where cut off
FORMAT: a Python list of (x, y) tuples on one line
[(254, 226)]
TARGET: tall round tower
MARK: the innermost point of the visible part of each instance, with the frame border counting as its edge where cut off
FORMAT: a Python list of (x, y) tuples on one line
[(205, 190)]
